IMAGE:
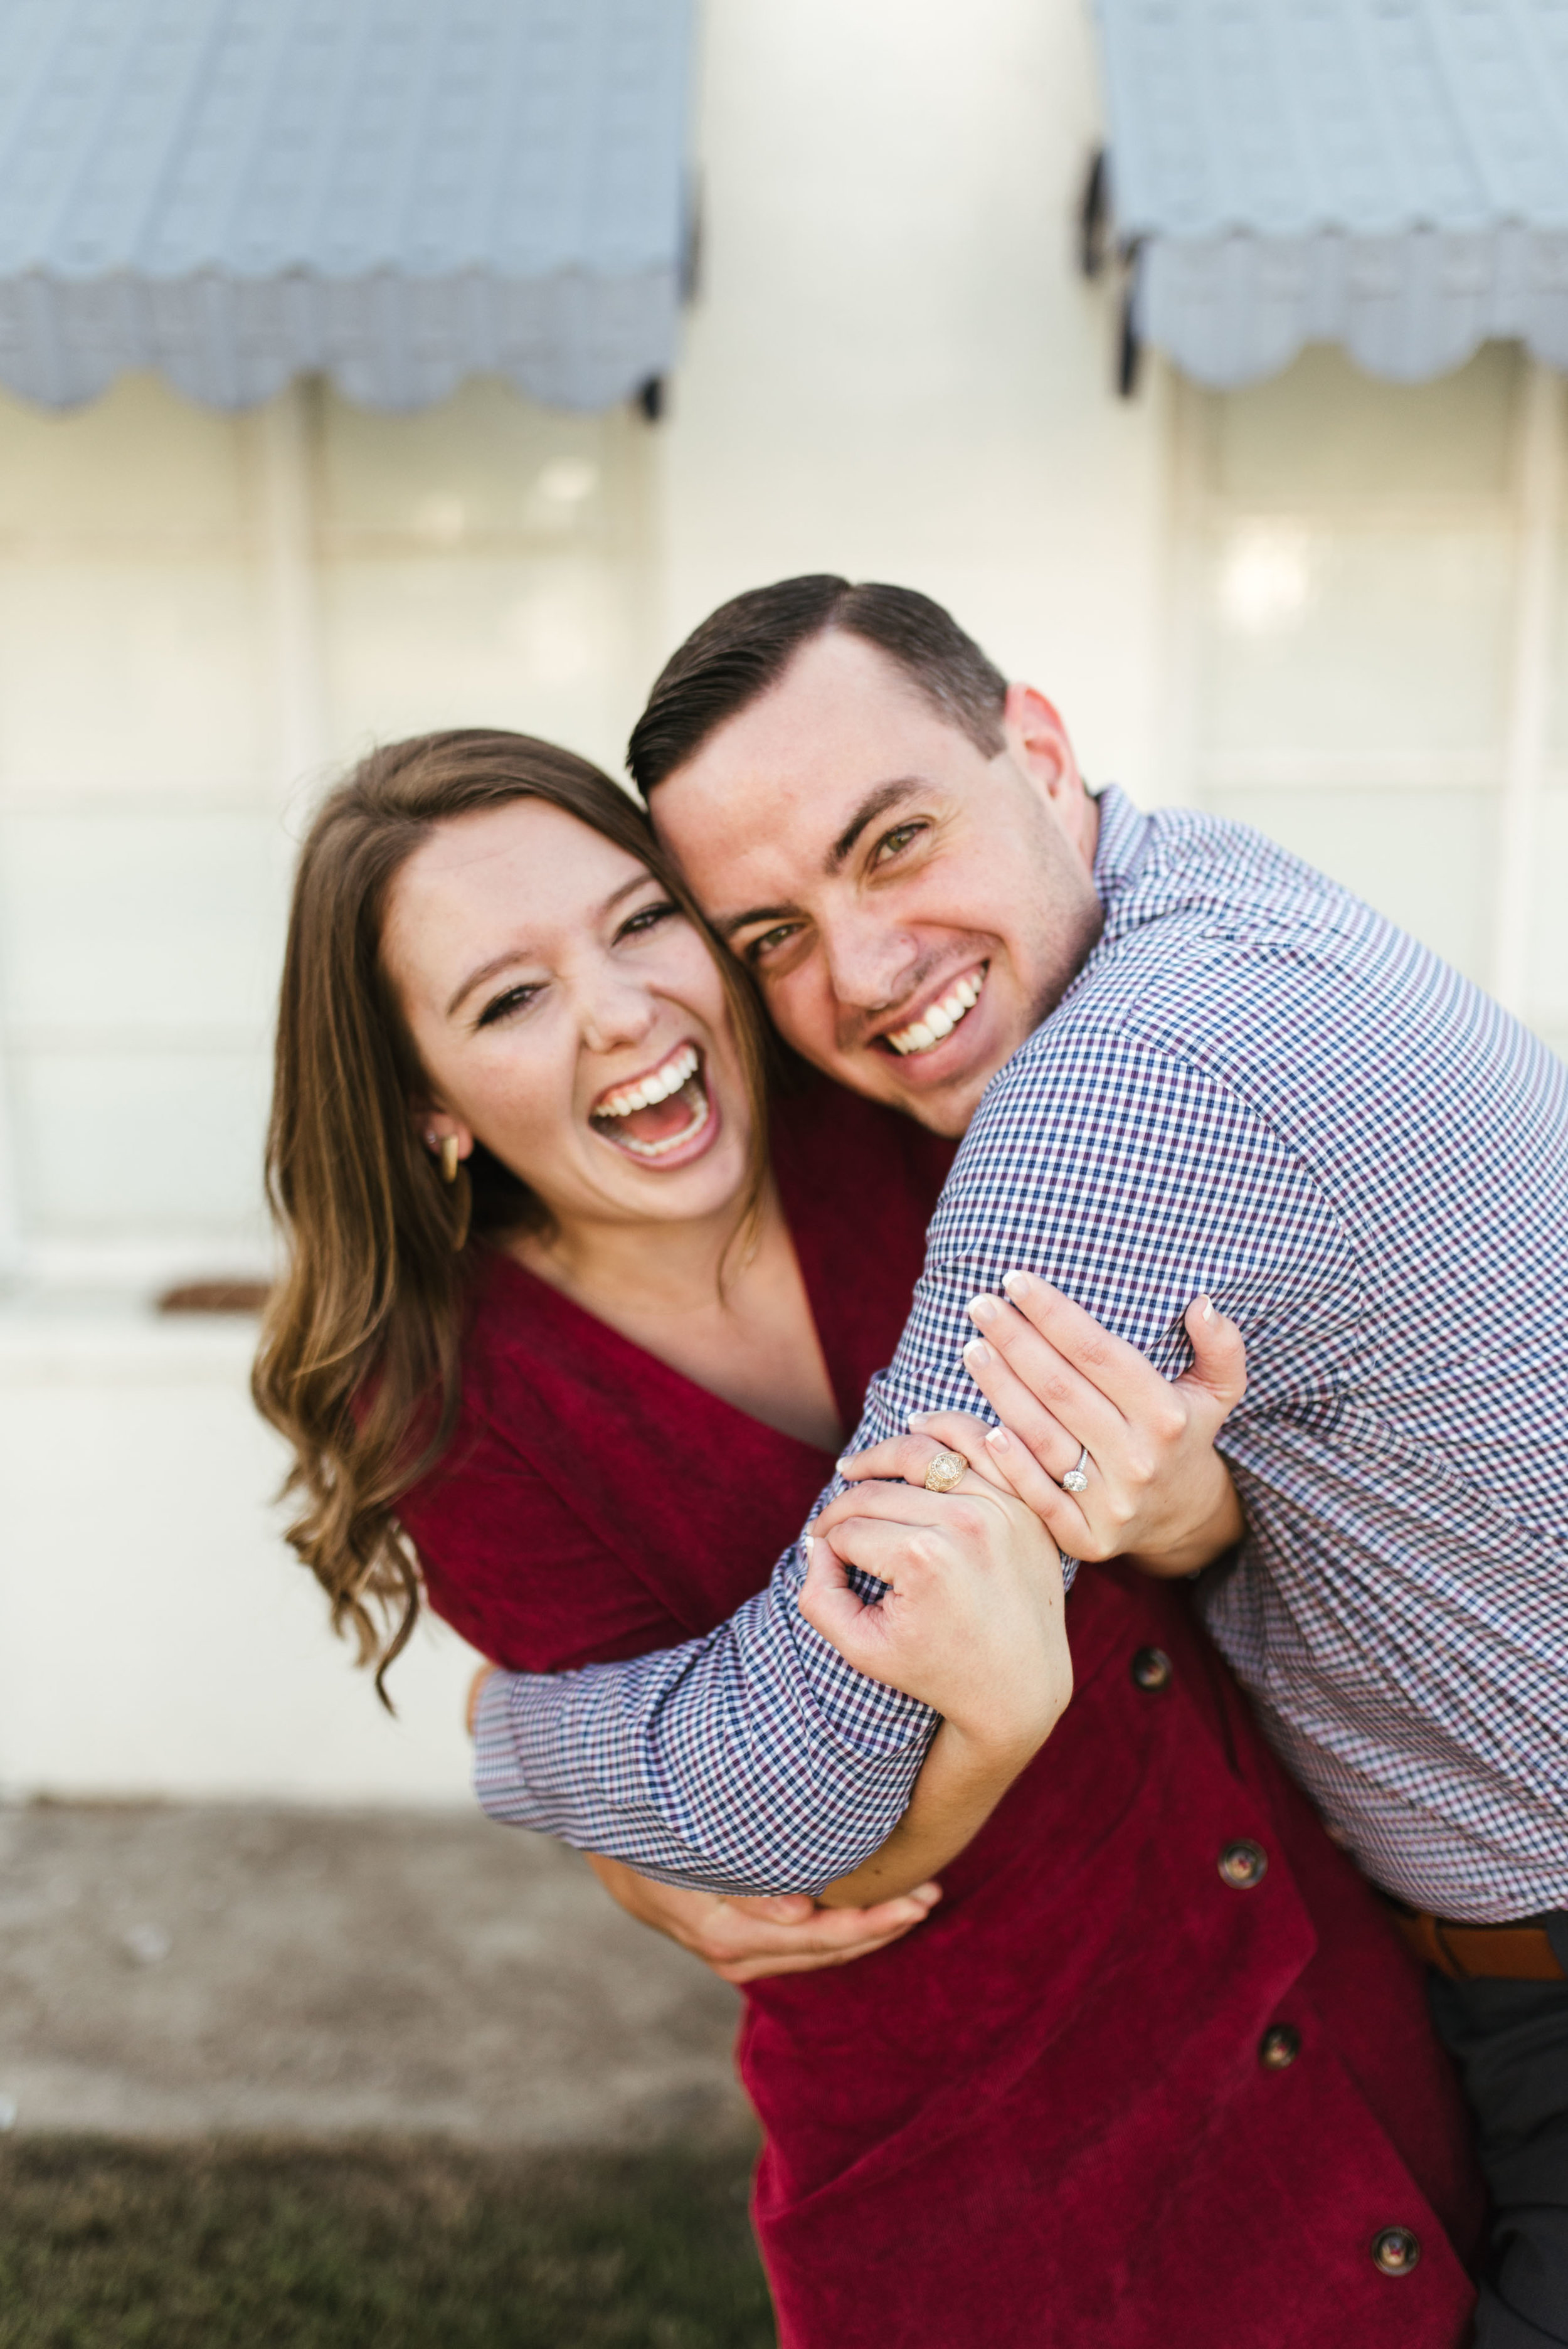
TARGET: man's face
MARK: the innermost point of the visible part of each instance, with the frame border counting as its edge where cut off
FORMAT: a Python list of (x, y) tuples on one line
[(911, 908)]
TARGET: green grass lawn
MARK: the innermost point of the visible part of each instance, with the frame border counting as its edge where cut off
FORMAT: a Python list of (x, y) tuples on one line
[(377, 2245)]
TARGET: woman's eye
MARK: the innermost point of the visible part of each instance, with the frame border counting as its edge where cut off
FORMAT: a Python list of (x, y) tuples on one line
[(647, 918), (892, 843), (502, 1006)]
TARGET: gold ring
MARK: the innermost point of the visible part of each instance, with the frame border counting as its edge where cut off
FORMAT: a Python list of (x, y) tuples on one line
[(948, 1468)]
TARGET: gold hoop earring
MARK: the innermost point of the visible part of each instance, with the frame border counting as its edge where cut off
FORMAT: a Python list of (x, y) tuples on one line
[(448, 1158)]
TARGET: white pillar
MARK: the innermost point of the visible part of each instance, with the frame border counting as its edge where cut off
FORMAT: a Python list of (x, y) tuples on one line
[(289, 573), (1539, 495)]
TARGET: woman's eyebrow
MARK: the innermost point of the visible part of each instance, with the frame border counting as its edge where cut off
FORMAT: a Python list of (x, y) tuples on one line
[(486, 970), (517, 954)]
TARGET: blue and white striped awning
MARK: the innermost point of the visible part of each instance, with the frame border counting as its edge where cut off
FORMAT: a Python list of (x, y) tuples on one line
[(1387, 174), (398, 192)]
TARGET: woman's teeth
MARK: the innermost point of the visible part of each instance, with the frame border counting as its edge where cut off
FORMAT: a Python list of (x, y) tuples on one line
[(675, 1073), (942, 1017), (677, 1084)]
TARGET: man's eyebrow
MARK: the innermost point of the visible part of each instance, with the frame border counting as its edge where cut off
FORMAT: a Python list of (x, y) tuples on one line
[(728, 923), (514, 953), (875, 804)]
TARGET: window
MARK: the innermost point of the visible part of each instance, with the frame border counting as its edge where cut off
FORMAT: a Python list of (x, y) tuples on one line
[(201, 618), (1374, 644)]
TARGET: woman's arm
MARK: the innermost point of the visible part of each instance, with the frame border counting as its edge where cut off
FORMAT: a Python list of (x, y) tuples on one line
[(970, 1618)]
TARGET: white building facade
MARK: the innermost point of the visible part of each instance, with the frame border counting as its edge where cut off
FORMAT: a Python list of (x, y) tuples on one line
[(1330, 606)]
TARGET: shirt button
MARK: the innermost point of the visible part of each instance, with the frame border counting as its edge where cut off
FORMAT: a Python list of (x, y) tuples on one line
[(1280, 2046), (1396, 2251), (1152, 1669), (1242, 1865)]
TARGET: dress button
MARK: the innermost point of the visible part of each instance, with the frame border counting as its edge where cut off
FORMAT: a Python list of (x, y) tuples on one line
[(1280, 2046), (1396, 2251), (1242, 1865), (1152, 1669)]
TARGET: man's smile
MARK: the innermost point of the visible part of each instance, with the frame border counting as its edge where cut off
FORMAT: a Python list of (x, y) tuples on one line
[(941, 1015)]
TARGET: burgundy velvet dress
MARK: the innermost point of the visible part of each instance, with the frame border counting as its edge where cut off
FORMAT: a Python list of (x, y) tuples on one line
[(1045, 2116)]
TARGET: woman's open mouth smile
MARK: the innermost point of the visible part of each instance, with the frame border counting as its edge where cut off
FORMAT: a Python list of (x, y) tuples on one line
[(665, 1117)]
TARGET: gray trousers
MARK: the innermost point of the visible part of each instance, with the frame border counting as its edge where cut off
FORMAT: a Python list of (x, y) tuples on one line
[(1509, 2040)]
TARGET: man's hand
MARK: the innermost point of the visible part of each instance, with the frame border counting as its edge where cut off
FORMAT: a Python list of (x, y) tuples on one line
[(748, 1941), (1158, 1492)]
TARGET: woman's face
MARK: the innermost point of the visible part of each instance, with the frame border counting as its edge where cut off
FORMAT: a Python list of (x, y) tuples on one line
[(569, 1018)]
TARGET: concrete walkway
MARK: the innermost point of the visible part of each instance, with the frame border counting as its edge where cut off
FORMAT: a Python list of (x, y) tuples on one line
[(171, 1972)]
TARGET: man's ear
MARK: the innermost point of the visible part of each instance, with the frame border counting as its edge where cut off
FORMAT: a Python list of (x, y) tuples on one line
[(1040, 746), (1039, 742)]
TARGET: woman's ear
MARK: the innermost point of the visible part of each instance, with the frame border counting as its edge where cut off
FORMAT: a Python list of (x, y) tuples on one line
[(443, 1135)]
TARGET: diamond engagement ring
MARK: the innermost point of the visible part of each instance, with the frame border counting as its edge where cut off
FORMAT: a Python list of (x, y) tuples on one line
[(1075, 1481), (948, 1468)]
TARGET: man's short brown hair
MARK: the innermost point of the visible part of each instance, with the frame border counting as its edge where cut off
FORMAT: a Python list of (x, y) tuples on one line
[(747, 644)]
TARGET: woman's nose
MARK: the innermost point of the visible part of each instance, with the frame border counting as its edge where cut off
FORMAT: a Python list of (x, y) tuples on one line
[(615, 1014)]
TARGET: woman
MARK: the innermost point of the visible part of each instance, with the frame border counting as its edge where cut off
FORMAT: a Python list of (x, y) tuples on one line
[(519, 1148)]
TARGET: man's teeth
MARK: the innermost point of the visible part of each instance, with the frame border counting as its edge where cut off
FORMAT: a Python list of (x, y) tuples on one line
[(677, 1071), (942, 1019)]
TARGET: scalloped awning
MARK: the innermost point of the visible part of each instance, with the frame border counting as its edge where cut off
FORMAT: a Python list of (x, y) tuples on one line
[(1391, 175), (400, 194)]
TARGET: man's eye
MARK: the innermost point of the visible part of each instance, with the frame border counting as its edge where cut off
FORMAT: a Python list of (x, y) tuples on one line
[(771, 941), (501, 1006), (892, 843)]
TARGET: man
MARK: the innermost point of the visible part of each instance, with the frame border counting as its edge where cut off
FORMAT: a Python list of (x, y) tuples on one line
[(1221, 1074)]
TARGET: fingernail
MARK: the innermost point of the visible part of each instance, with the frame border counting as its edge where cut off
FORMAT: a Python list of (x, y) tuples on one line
[(998, 1439), (916, 1421), (982, 1310), (1016, 1284), (847, 1462), (976, 1353), (926, 1894), (806, 1541), (1208, 1312)]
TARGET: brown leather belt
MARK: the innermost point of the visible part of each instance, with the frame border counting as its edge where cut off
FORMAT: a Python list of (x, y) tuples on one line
[(1472, 1952)]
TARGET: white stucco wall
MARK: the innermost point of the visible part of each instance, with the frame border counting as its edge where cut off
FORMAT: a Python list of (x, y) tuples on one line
[(893, 369)]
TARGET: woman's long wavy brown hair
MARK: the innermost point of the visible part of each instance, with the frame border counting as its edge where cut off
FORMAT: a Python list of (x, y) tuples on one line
[(359, 1364)]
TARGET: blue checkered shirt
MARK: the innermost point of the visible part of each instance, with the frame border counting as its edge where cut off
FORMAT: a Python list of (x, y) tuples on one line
[(1258, 1088)]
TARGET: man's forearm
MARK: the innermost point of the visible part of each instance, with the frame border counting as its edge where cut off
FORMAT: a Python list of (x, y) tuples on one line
[(752, 1760), (957, 1790)]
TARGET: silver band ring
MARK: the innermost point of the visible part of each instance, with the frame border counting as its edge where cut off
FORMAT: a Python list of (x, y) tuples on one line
[(1075, 1481), (948, 1468)]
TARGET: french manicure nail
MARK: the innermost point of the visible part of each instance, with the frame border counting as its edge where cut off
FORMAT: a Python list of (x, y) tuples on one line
[(998, 1439), (982, 1310), (916, 1421), (1016, 1284), (976, 1353), (1208, 1312)]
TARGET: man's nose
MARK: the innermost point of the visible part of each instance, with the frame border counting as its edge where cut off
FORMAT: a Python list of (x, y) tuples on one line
[(869, 961)]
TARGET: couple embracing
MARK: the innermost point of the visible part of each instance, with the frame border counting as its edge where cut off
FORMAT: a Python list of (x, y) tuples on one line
[(618, 1160)]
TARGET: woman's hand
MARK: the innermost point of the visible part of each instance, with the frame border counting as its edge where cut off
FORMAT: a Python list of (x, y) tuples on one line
[(970, 1620), (475, 1690), (1158, 1492), (748, 1941)]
